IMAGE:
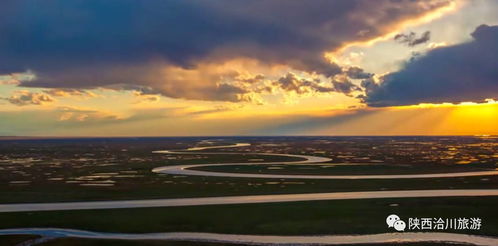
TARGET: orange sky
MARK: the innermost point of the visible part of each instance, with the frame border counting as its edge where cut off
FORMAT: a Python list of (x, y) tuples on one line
[(189, 103)]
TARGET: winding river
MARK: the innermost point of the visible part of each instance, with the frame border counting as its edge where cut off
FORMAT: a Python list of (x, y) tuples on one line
[(258, 239), (187, 169)]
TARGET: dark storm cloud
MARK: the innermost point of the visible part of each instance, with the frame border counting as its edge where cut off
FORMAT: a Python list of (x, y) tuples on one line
[(369, 85), (411, 38), (92, 43), (465, 72)]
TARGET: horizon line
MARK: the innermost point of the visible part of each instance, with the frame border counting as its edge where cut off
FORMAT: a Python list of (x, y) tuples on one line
[(20, 137)]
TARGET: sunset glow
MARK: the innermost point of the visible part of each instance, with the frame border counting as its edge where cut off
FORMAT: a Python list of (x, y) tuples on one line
[(380, 69)]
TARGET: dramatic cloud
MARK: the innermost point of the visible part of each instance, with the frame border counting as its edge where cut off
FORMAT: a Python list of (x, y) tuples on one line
[(411, 38), (358, 73), (459, 73), (150, 45), (345, 87), (300, 86), (205, 82), (291, 83), (23, 98), (369, 85)]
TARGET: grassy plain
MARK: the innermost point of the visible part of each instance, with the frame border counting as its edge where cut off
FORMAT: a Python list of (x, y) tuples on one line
[(363, 216)]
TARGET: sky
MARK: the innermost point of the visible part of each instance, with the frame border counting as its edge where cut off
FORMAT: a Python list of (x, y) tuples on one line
[(260, 67)]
